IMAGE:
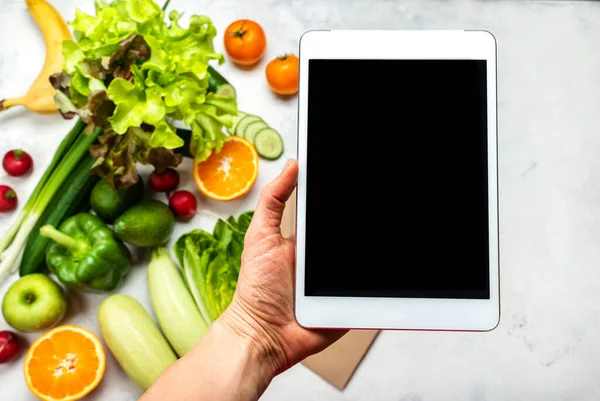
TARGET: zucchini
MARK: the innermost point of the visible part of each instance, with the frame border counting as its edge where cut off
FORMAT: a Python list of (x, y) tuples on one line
[(268, 143), (244, 122), (134, 339), (253, 128), (71, 198), (178, 316)]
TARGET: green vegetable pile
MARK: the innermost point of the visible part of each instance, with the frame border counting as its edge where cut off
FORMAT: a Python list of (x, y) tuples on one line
[(132, 73), (185, 300), (211, 263), (60, 192)]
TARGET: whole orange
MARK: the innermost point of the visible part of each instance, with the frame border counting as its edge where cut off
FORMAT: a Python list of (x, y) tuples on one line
[(245, 42), (282, 74)]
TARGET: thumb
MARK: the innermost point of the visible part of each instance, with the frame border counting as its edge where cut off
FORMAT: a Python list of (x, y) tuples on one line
[(274, 195)]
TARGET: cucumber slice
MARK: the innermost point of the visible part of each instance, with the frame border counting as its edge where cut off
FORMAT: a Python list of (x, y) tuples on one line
[(239, 116), (244, 122), (225, 90), (268, 143), (253, 128)]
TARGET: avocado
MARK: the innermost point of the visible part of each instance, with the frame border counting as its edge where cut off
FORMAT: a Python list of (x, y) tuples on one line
[(146, 224), (109, 203)]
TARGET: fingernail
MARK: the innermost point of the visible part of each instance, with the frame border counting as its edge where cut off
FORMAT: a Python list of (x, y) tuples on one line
[(287, 164)]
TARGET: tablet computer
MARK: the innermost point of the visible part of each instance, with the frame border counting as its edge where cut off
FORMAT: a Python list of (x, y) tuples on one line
[(397, 197)]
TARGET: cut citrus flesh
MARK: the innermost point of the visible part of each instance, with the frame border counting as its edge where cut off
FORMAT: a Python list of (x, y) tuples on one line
[(229, 173), (64, 364)]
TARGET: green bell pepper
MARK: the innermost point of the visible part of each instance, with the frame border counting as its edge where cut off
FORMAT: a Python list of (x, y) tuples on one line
[(86, 255)]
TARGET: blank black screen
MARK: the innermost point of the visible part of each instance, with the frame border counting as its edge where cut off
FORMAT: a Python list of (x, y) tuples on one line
[(397, 185)]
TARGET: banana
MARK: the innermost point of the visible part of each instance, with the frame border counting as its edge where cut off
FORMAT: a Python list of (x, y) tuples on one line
[(40, 96)]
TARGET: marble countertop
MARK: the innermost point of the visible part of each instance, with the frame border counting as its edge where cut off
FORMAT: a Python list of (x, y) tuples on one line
[(547, 346)]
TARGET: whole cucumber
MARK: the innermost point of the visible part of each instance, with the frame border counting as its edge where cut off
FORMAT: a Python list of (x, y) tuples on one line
[(186, 135), (215, 80)]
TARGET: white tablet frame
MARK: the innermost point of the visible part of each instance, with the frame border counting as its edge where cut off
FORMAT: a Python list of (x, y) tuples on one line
[(398, 313)]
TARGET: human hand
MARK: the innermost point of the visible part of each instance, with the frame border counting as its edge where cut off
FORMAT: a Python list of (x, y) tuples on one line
[(262, 308), (257, 336)]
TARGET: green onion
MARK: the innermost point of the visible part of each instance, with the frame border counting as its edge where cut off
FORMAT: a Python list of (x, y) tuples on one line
[(63, 148), (41, 198)]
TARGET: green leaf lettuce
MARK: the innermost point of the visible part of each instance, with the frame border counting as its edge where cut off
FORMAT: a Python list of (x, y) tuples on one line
[(129, 67)]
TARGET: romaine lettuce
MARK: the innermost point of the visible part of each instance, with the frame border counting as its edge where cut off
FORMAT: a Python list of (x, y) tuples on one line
[(211, 263)]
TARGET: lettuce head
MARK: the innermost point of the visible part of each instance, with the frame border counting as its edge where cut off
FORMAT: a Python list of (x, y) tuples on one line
[(132, 72)]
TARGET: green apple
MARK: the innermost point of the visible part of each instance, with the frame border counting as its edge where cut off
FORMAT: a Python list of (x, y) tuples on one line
[(34, 302)]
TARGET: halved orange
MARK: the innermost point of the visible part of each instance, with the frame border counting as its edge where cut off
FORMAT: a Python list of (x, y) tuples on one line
[(229, 173), (64, 364)]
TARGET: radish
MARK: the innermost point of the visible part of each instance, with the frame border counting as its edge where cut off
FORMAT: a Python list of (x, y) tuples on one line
[(8, 198), (183, 203), (10, 346), (17, 162), (165, 181)]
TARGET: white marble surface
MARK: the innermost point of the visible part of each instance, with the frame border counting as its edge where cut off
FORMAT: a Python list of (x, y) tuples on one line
[(547, 346)]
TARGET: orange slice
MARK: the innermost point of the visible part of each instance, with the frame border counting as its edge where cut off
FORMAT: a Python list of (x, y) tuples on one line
[(229, 173), (64, 364)]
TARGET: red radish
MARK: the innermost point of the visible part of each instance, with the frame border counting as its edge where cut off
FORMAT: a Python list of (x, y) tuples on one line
[(17, 162), (10, 346), (8, 198), (165, 181), (183, 203)]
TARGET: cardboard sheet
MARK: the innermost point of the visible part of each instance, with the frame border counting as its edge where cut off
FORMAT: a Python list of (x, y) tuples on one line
[(337, 363)]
